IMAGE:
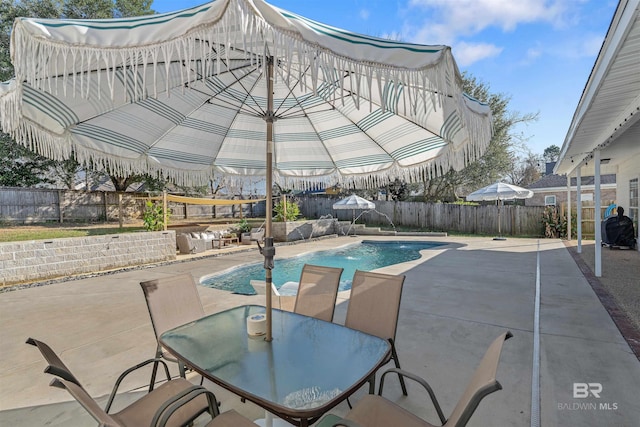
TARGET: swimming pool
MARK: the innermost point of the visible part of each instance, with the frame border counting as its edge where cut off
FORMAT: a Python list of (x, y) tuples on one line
[(367, 255)]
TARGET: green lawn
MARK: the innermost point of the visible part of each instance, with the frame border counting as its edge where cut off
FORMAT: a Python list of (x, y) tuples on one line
[(16, 234)]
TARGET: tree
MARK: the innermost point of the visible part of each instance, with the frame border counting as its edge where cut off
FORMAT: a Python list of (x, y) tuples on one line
[(551, 154), (67, 171), (397, 190), (526, 170), (497, 161), (19, 166), (9, 11)]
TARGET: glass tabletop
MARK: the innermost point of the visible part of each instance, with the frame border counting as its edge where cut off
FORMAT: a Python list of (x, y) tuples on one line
[(309, 367)]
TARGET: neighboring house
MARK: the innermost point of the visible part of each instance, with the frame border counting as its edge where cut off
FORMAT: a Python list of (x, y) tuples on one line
[(552, 190)]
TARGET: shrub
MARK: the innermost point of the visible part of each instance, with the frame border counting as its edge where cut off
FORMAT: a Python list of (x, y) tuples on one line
[(243, 226), (153, 217), (292, 211), (555, 223)]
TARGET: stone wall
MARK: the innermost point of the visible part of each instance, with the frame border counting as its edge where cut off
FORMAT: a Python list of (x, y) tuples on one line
[(37, 260)]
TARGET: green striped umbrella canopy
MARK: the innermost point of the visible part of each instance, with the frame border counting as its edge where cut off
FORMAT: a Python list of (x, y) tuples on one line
[(239, 88), (185, 93)]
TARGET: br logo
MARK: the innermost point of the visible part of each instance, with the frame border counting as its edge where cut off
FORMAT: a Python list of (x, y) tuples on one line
[(584, 390)]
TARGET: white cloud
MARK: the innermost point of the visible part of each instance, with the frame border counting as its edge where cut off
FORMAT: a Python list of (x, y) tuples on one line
[(590, 45), (468, 53), (532, 54), (468, 17), (583, 46), (456, 22), (364, 14)]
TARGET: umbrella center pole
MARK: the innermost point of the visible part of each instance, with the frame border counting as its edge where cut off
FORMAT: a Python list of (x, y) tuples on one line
[(269, 250)]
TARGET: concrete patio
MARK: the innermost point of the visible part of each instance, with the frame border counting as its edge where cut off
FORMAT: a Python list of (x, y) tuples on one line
[(456, 299)]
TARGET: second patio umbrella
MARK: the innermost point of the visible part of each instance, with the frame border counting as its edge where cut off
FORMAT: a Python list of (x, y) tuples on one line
[(499, 192), (240, 88), (354, 203)]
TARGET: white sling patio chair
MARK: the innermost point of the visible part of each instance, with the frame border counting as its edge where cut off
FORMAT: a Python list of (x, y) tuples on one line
[(171, 301), (176, 402), (376, 411)]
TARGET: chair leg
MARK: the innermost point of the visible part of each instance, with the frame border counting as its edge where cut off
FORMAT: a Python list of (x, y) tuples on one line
[(394, 356), (154, 372), (372, 388), (153, 376), (372, 384)]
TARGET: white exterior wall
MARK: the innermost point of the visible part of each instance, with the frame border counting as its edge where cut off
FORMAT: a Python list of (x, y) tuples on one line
[(626, 172)]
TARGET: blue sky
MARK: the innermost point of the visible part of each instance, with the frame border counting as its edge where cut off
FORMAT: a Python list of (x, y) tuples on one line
[(537, 52)]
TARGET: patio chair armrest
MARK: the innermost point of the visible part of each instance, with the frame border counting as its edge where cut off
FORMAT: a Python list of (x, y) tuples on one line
[(162, 415), (122, 376), (419, 380)]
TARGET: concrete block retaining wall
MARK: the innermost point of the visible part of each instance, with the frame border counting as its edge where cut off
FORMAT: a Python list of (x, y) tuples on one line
[(301, 230), (36, 260)]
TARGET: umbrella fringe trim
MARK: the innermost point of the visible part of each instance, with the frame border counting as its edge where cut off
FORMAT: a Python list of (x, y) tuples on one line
[(415, 87), (10, 100), (61, 147)]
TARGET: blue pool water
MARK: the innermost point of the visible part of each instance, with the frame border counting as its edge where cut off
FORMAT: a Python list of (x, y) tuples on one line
[(367, 255)]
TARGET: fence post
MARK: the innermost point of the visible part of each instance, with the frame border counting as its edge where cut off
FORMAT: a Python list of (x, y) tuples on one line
[(105, 205), (60, 208), (164, 209), (120, 210)]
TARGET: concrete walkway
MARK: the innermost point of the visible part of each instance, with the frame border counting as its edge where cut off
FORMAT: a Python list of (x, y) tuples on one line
[(456, 299)]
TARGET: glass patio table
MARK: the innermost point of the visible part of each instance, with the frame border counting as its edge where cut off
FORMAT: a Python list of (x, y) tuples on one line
[(309, 367)]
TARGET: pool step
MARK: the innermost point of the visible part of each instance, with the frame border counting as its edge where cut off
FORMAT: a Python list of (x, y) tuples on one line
[(362, 229)]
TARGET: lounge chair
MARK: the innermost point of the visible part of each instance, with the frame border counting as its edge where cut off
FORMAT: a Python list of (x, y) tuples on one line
[(376, 411), (176, 402), (257, 234), (317, 291), (189, 245), (373, 308), (171, 301)]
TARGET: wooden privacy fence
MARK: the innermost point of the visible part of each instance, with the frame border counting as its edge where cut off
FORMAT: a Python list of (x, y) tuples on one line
[(26, 205), (34, 205), (589, 217), (515, 220)]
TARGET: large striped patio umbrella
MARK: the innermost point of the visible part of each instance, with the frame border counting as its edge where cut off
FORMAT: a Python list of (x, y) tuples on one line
[(240, 88)]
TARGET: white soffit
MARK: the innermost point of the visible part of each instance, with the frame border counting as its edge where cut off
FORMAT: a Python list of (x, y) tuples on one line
[(608, 114)]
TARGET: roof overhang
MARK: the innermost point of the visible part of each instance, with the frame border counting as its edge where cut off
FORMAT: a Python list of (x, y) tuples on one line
[(583, 187), (608, 115)]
